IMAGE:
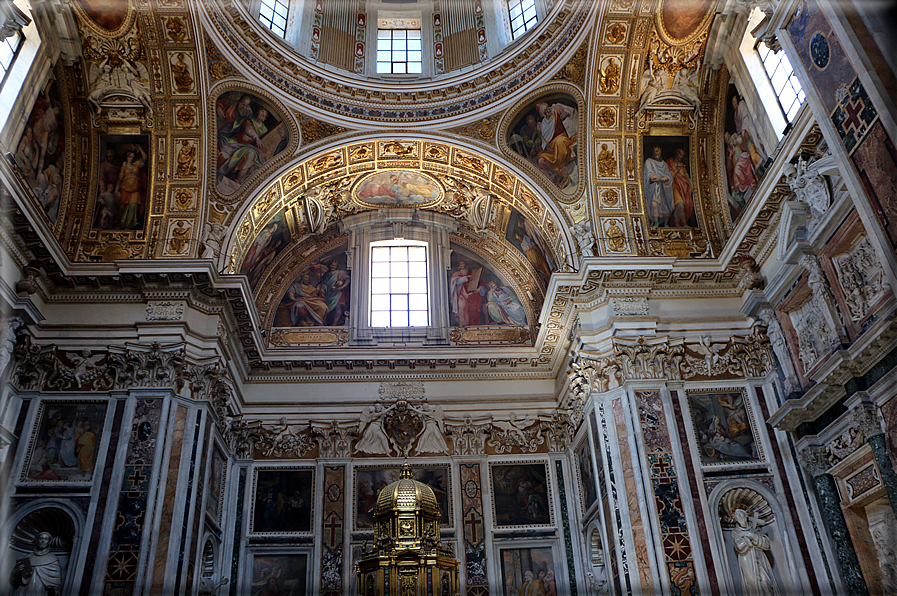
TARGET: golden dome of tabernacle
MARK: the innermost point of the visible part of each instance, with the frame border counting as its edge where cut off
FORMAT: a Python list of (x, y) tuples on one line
[(407, 494)]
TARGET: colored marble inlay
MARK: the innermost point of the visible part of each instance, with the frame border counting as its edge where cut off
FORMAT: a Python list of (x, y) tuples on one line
[(333, 530), (635, 513), (837, 527), (568, 540), (130, 519), (854, 115), (474, 529), (170, 502), (238, 534), (876, 163), (674, 536)]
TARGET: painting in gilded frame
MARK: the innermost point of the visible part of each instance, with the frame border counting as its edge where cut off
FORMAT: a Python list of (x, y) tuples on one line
[(586, 475), (215, 489), (526, 238), (370, 481), (670, 196), (528, 571), (64, 442), (398, 188), (319, 296), (282, 501), (271, 240), (479, 296), (123, 182), (520, 494), (40, 152), (279, 574), (724, 428)]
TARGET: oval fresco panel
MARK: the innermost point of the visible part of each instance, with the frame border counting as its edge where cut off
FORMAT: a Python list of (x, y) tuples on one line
[(681, 18), (250, 133), (108, 14), (545, 134), (399, 188)]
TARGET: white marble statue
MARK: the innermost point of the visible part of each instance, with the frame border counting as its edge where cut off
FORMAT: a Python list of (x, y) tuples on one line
[(209, 587), (585, 238), (212, 239), (38, 574), (432, 438), (127, 79), (752, 546)]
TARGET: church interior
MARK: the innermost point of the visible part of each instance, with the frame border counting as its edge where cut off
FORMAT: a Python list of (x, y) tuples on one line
[(332, 298)]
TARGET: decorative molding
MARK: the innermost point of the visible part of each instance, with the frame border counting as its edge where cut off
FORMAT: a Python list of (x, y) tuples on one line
[(628, 306)]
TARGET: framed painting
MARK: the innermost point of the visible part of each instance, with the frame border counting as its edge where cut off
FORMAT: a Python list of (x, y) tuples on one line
[(123, 182), (528, 571), (526, 238), (40, 152), (670, 196), (724, 427), (587, 484), (319, 296), (64, 441), (215, 488), (520, 494), (250, 133), (272, 239), (369, 481), (279, 574), (478, 296), (282, 501), (398, 188)]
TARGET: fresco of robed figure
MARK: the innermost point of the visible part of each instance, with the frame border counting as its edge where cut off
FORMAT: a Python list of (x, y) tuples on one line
[(526, 238), (545, 133), (40, 153), (250, 133), (667, 183), (477, 296), (319, 296), (272, 239)]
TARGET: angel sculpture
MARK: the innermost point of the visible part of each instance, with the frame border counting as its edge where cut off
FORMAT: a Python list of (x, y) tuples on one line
[(515, 427), (212, 239), (374, 439), (207, 587), (709, 350), (128, 79), (650, 86), (84, 367)]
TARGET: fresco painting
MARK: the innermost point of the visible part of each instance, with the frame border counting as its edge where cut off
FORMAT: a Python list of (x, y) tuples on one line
[(745, 156), (520, 493), (681, 18), (398, 188), (666, 182), (477, 296), (370, 481), (279, 575), (273, 238), (545, 133), (40, 153), (65, 443), (250, 133), (586, 475), (526, 238), (528, 572), (319, 296), (122, 183)]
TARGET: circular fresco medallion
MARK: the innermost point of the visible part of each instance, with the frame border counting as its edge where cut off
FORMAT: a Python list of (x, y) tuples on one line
[(398, 188), (820, 51)]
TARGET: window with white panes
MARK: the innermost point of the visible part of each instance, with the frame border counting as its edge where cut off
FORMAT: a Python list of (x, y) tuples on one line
[(399, 51), (273, 15), (523, 16), (784, 82), (9, 47), (399, 286)]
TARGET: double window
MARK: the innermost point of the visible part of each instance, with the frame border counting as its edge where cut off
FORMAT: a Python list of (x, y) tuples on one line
[(399, 296)]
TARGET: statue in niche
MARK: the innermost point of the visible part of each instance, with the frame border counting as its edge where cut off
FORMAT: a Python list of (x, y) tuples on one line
[(752, 546), (39, 573)]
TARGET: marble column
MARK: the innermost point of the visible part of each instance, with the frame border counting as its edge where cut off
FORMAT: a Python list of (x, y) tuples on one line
[(830, 504)]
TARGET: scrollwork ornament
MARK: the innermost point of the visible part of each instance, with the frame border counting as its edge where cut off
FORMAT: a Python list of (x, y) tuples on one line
[(815, 460)]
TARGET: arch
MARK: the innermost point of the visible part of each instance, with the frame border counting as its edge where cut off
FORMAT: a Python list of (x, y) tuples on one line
[(764, 500), (312, 195)]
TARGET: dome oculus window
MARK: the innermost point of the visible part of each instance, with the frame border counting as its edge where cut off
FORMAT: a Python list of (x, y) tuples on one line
[(273, 15), (399, 284), (523, 16)]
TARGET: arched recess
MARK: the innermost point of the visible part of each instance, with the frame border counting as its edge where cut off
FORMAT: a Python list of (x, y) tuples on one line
[(560, 162), (64, 522), (756, 498), (309, 199), (227, 112)]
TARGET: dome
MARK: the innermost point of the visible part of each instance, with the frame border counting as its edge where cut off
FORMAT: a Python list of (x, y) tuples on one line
[(407, 494)]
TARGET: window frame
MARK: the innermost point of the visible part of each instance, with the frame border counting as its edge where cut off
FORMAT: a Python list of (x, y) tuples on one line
[(392, 50), (790, 81), (376, 246), (20, 37), (528, 24), (268, 23)]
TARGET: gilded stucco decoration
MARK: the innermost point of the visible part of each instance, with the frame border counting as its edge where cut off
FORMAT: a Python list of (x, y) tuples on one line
[(137, 124)]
